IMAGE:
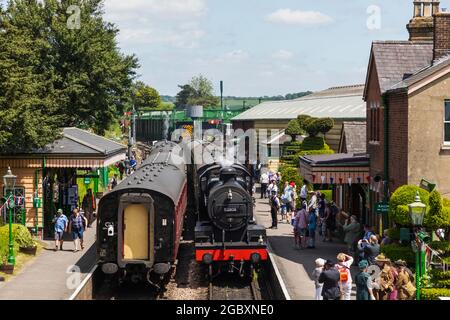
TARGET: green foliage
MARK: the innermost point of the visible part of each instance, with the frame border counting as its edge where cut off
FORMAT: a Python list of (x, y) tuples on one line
[(438, 216), (314, 143), (396, 252), (302, 120), (289, 174), (324, 125), (52, 76), (314, 152), (399, 201), (293, 129), (394, 234), (183, 96), (445, 202), (438, 275), (145, 97), (434, 293), (4, 243), (310, 127), (199, 91), (22, 236), (328, 194)]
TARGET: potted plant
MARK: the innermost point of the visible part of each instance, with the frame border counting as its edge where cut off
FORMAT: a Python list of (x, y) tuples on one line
[(5, 267), (25, 241)]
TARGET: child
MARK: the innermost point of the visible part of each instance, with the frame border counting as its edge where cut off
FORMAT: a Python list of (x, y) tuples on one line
[(315, 275)]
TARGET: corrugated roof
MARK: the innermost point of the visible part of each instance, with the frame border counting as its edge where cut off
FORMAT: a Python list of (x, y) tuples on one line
[(338, 103), (423, 73), (398, 60), (355, 137)]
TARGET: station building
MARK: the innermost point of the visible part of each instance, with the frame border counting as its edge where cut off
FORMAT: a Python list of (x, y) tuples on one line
[(58, 176)]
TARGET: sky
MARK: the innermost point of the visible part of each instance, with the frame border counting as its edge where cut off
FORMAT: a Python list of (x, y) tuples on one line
[(257, 47)]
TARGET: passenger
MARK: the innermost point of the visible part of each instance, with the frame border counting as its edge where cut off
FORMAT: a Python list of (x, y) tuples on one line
[(322, 205), (88, 206), (264, 183), (300, 227), (330, 279), (364, 283), (114, 181), (312, 225), (61, 223), (352, 232), (274, 208), (345, 278), (77, 223), (370, 250), (405, 281), (304, 191), (315, 275)]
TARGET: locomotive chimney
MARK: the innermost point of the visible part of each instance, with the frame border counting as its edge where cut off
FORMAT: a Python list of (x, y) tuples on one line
[(227, 174)]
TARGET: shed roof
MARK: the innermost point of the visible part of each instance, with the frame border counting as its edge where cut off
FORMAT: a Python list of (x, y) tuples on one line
[(337, 102)]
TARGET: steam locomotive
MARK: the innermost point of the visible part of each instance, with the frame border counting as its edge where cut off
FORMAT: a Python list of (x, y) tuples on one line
[(226, 235), (140, 222)]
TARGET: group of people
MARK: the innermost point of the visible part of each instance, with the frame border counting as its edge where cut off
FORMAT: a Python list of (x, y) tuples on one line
[(392, 281), (76, 224)]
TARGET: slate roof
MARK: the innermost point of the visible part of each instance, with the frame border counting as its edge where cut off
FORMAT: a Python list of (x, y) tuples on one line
[(354, 137), (397, 60), (337, 159), (423, 73), (337, 102), (77, 141)]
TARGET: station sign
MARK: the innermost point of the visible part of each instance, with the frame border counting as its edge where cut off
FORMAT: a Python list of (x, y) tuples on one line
[(381, 207)]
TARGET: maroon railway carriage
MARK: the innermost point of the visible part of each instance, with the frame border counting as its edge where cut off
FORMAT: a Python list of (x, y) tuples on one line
[(141, 221)]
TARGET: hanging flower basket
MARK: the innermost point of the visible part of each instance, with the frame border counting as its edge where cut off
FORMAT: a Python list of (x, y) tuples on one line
[(7, 268), (29, 250)]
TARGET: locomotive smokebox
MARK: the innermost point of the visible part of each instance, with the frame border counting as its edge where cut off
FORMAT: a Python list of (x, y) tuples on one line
[(227, 174)]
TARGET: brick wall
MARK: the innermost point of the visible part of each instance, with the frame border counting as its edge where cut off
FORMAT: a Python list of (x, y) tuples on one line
[(441, 34), (398, 139)]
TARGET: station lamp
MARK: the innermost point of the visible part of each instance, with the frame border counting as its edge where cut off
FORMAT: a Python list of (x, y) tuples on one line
[(417, 211), (9, 182)]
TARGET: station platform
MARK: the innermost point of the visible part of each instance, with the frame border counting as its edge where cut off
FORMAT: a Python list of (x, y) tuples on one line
[(295, 266), (49, 276)]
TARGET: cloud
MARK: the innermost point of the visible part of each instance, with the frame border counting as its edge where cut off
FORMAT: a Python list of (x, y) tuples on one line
[(238, 55), (297, 17), (283, 55), (175, 23)]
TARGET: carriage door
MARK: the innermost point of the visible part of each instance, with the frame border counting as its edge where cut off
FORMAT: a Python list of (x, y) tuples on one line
[(136, 232)]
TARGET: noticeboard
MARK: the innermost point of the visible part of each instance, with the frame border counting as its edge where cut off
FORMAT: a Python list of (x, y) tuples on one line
[(381, 208)]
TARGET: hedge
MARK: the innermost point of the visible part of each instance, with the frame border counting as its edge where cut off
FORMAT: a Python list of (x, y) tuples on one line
[(314, 152), (4, 243), (290, 174), (396, 252), (434, 293), (437, 217), (437, 274), (394, 234), (293, 129), (313, 143), (446, 202), (403, 196), (440, 246)]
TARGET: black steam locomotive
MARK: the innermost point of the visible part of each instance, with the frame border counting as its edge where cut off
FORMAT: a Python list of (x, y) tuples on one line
[(226, 234), (140, 222)]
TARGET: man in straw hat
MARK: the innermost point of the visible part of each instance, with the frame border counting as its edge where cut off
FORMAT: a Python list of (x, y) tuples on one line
[(386, 277)]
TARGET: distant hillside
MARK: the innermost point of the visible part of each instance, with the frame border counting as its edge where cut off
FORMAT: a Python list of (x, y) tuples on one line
[(233, 103)]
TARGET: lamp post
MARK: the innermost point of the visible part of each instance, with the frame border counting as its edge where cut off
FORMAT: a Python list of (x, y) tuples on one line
[(417, 212), (9, 181)]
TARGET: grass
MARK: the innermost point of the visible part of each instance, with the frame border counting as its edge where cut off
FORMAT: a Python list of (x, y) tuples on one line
[(21, 260)]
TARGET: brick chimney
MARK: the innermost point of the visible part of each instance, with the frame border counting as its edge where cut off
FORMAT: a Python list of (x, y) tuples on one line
[(421, 26), (441, 35)]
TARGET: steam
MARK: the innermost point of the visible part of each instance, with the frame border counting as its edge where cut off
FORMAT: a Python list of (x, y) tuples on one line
[(165, 133)]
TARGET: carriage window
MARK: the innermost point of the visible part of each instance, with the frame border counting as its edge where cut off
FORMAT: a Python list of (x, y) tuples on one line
[(447, 123)]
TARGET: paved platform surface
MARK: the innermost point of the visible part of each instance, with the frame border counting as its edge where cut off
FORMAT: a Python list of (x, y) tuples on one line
[(49, 276), (295, 265)]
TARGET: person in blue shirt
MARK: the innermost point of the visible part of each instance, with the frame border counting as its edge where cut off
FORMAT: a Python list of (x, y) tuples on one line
[(312, 226), (61, 223)]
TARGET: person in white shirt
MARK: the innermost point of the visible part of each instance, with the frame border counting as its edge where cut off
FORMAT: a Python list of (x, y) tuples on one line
[(313, 202), (264, 183), (304, 191), (345, 281), (272, 188)]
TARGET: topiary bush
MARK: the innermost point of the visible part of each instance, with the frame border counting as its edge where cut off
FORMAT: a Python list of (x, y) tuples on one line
[(303, 120), (396, 252), (314, 143), (4, 244), (293, 129), (398, 204), (314, 152), (324, 125), (394, 234), (443, 246), (311, 127), (437, 217)]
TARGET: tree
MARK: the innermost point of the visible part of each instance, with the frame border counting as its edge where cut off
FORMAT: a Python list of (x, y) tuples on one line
[(146, 97), (182, 99), (199, 91), (293, 129), (54, 76)]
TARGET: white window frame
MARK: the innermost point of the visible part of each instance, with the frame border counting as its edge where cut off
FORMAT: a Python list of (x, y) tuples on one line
[(446, 102)]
